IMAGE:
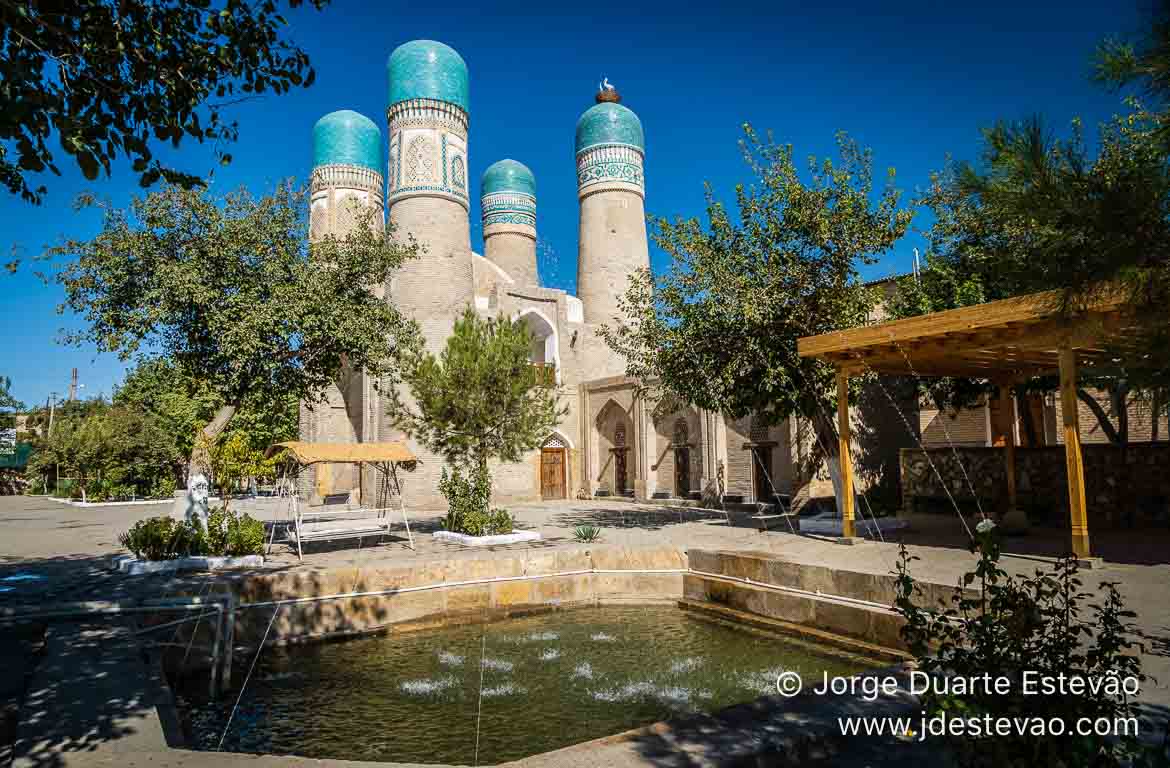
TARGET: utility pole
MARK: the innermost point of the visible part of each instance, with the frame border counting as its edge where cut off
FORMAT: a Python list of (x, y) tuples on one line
[(73, 386), (52, 409)]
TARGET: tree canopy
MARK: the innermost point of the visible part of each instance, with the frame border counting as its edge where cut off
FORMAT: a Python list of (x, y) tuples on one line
[(7, 401), (477, 400), (183, 405), (111, 451), (118, 79), (230, 290), (1043, 213), (719, 328)]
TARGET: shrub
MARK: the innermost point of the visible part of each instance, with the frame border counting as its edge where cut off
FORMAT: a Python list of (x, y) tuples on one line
[(234, 536), (245, 536), (163, 538), (468, 499), (163, 488), (1040, 624)]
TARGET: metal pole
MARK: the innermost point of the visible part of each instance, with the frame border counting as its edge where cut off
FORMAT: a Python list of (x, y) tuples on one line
[(229, 640)]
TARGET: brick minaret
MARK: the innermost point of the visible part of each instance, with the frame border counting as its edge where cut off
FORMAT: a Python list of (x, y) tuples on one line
[(508, 201), (610, 187), (346, 177), (428, 200)]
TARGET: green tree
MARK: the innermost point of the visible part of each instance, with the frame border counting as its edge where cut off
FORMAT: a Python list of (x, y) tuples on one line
[(477, 401), (183, 405), (719, 328), (108, 449), (232, 293), (7, 402), (119, 78), (1143, 63)]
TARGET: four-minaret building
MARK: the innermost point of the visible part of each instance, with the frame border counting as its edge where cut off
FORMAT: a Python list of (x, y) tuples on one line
[(420, 185)]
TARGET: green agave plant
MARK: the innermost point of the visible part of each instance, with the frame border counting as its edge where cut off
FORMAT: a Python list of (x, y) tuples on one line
[(587, 533)]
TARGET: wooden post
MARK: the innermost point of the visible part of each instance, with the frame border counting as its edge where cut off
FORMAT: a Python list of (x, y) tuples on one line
[(1006, 410), (1072, 452), (848, 529)]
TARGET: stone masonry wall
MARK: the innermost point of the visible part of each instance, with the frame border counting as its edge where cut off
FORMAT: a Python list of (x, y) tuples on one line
[(1122, 487)]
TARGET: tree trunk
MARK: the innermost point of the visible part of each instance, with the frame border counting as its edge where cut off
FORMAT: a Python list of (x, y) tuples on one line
[(205, 439), (827, 438), (1099, 413)]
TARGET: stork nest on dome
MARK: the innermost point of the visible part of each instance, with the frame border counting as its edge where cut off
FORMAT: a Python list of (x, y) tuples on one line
[(609, 94)]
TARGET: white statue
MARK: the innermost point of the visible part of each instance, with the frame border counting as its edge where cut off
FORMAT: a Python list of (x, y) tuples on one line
[(194, 502), (605, 85)]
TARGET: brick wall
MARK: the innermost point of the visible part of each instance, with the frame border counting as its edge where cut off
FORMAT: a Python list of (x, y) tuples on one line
[(1141, 422), (967, 426)]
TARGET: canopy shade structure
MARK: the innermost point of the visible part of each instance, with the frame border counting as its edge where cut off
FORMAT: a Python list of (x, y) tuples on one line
[(1003, 342), (345, 453), (346, 522), (1006, 340)]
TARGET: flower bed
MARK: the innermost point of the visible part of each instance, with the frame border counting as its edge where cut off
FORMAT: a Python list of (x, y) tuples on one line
[(166, 544)]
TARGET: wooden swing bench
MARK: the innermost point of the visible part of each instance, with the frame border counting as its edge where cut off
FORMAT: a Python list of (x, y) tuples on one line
[(340, 521)]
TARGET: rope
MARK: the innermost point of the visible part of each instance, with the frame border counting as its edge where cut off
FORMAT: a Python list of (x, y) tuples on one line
[(942, 423), (918, 440), (247, 677), (479, 708)]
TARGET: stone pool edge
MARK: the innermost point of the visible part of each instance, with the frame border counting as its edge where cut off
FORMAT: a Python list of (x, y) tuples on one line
[(757, 585)]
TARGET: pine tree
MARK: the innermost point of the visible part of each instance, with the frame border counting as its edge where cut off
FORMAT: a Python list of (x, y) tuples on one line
[(478, 400)]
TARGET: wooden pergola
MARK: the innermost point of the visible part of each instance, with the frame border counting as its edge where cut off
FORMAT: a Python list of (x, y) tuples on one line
[(1004, 342)]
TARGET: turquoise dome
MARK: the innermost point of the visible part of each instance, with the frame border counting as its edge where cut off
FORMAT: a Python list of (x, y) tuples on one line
[(347, 137), (508, 176), (425, 69), (609, 123)]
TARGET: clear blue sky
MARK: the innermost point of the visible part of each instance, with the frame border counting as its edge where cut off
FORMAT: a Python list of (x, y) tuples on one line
[(914, 81)]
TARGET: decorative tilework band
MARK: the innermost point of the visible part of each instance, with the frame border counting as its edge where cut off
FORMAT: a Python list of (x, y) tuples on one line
[(509, 212), (427, 163), (345, 175), (610, 167)]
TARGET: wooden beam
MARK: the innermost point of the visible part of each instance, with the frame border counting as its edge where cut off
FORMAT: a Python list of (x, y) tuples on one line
[(848, 530), (992, 315), (1075, 467)]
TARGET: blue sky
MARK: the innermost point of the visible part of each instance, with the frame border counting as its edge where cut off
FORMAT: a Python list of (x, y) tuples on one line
[(913, 81)]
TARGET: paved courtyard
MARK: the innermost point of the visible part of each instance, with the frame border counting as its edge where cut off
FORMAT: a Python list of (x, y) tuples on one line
[(51, 551)]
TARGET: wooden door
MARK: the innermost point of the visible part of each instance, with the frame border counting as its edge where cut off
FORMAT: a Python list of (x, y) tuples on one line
[(763, 483), (682, 471), (619, 471), (552, 473)]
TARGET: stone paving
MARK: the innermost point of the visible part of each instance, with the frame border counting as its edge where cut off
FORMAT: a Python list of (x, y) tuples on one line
[(52, 552)]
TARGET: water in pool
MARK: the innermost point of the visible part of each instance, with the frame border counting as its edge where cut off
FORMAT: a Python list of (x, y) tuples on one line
[(548, 681)]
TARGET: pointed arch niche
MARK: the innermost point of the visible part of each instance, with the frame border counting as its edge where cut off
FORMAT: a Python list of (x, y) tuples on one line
[(545, 348), (615, 447)]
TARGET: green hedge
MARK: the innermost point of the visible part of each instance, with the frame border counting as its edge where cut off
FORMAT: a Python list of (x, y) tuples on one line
[(165, 538)]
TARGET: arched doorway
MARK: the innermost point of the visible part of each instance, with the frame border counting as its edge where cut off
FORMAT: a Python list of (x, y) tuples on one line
[(761, 449), (615, 435), (620, 480), (553, 466), (682, 459)]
